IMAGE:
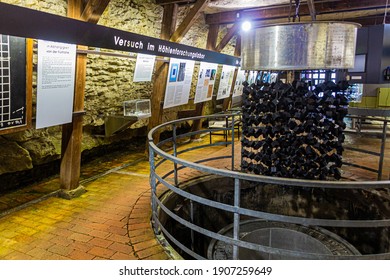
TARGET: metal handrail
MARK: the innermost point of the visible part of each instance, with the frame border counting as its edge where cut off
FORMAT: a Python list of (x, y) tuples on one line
[(237, 211)]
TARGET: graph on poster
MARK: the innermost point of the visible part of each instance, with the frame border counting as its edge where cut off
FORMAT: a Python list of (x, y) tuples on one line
[(12, 82)]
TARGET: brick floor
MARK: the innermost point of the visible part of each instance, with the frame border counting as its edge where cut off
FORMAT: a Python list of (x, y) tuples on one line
[(110, 221)]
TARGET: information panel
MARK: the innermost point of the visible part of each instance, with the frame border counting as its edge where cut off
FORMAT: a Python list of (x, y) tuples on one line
[(55, 86), (178, 82), (144, 68), (226, 81), (206, 79), (238, 86), (13, 97)]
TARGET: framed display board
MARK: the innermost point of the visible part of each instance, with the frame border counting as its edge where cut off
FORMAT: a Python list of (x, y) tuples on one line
[(15, 83)]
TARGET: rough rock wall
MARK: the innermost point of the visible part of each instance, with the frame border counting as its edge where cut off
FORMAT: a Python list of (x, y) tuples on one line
[(109, 80), (108, 84), (21, 151)]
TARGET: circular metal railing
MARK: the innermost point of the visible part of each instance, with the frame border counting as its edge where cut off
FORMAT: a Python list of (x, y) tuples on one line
[(171, 180)]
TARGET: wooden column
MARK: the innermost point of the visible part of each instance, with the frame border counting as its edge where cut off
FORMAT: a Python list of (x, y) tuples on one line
[(168, 32), (161, 72), (72, 132), (211, 44)]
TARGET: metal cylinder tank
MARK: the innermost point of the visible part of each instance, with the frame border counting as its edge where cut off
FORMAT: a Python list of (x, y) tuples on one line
[(297, 46)]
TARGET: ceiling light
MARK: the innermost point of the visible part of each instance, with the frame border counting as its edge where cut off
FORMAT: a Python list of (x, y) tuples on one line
[(246, 26)]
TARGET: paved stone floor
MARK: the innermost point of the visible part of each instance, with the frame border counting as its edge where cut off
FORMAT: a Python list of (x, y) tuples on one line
[(112, 219)]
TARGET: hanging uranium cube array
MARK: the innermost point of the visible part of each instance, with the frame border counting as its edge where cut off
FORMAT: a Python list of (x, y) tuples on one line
[(293, 132)]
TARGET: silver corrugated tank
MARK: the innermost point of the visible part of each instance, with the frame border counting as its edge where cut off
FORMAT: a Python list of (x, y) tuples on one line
[(295, 46)]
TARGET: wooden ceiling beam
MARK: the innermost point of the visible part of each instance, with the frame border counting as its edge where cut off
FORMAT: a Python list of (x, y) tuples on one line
[(93, 10), (167, 2), (232, 31), (371, 20), (370, 17), (212, 37), (265, 13), (168, 24), (189, 20)]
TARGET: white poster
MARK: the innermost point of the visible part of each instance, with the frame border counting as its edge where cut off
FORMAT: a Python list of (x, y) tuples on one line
[(206, 79), (178, 82), (252, 77), (225, 84), (144, 68), (55, 85), (238, 87)]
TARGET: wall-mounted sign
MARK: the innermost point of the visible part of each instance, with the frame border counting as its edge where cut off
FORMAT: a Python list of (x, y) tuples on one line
[(55, 84), (252, 76), (238, 87), (144, 68), (13, 97), (179, 81), (30, 23), (225, 83), (206, 79)]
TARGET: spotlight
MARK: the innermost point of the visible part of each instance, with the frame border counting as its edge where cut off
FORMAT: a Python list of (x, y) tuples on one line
[(246, 26)]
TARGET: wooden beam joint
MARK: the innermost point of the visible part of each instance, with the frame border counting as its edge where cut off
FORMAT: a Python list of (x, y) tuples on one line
[(93, 10), (189, 20)]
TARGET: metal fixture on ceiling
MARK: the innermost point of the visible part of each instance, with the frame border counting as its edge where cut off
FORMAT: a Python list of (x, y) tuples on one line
[(296, 46)]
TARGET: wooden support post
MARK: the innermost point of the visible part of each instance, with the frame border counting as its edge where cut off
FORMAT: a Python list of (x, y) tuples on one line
[(161, 72), (72, 133), (168, 32), (211, 44), (72, 136)]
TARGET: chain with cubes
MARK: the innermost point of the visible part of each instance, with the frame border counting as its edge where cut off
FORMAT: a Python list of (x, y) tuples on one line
[(293, 130)]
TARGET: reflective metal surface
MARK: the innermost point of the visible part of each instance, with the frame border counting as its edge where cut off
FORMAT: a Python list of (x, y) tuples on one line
[(295, 46)]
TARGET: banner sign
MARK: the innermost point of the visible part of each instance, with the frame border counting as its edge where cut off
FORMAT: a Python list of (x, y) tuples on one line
[(28, 23)]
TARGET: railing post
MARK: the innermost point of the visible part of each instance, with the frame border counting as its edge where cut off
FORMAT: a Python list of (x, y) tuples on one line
[(233, 142), (382, 153), (236, 228), (153, 187), (225, 132), (192, 221), (174, 138)]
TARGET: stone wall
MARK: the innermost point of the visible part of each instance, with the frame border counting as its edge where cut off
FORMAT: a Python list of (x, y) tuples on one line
[(23, 150), (108, 84)]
